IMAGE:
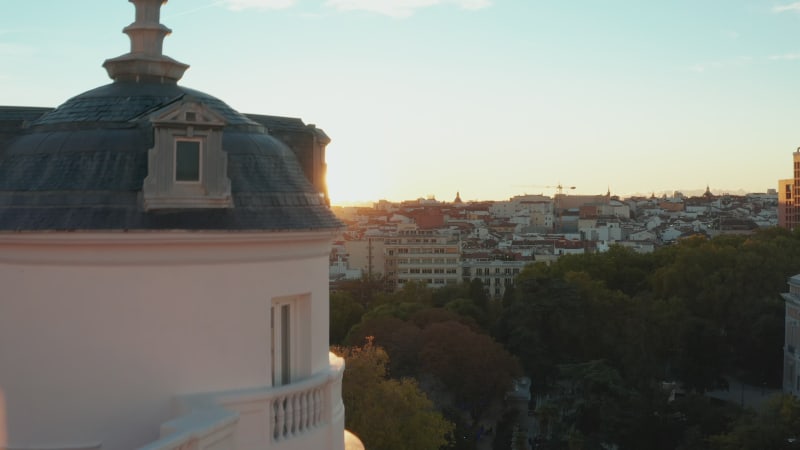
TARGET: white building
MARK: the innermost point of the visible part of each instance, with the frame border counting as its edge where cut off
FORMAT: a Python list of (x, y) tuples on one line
[(599, 230), (496, 275), (164, 266), (791, 347)]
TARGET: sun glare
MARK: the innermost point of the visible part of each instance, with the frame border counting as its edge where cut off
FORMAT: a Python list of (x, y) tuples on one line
[(353, 187)]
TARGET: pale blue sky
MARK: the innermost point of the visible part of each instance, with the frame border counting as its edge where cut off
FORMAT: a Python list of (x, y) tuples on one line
[(488, 97)]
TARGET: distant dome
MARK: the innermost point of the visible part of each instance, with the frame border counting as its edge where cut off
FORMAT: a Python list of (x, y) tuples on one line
[(83, 165)]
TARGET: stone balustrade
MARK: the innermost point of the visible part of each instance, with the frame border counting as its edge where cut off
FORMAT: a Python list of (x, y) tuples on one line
[(198, 430), (283, 417)]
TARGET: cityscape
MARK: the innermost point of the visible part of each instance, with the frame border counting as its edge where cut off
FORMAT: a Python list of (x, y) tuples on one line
[(448, 242)]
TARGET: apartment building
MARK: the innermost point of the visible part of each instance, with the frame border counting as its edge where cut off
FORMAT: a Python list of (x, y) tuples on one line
[(496, 275), (430, 257), (367, 254), (788, 192)]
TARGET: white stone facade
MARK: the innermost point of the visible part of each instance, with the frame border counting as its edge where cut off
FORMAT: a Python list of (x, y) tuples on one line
[(103, 337)]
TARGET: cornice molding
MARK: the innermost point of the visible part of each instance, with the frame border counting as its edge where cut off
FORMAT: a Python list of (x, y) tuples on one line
[(161, 247)]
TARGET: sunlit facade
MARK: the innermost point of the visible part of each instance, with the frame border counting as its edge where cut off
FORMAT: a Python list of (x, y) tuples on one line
[(788, 194)]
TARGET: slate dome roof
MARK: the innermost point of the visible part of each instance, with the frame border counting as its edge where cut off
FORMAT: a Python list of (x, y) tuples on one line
[(82, 165)]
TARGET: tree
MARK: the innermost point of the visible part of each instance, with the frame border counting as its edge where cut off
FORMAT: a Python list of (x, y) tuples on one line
[(776, 427), (345, 312), (400, 339), (545, 325), (477, 293), (593, 404), (428, 316), (471, 366), (467, 308), (701, 360), (367, 291), (385, 413)]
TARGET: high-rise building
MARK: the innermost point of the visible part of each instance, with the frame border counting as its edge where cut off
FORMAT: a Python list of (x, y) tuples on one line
[(164, 263), (789, 197)]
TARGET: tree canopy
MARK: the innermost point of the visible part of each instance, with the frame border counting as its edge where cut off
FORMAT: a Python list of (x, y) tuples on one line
[(600, 335), (387, 413)]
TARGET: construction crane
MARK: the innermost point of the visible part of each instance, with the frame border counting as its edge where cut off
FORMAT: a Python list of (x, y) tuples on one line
[(559, 187), (556, 206)]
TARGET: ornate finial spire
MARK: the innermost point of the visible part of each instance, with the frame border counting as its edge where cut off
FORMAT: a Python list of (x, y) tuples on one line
[(145, 60)]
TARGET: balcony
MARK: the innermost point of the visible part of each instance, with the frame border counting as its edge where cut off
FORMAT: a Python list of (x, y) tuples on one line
[(198, 430), (305, 414)]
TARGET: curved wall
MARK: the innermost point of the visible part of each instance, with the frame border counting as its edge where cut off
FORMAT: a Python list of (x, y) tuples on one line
[(100, 331)]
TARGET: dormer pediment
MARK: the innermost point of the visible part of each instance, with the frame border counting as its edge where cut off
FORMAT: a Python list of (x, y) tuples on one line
[(187, 112)]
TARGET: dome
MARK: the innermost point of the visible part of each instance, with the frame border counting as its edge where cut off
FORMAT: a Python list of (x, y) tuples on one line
[(84, 165)]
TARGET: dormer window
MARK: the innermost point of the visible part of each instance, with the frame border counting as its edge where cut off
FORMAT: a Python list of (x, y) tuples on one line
[(187, 160), (187, 168)]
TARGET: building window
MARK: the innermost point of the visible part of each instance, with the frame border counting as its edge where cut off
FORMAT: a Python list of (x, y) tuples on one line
[(187, 160), (281, 316), (289, 333)]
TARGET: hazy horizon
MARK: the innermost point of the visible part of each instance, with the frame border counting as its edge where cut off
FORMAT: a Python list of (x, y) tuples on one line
[(685, 192)]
